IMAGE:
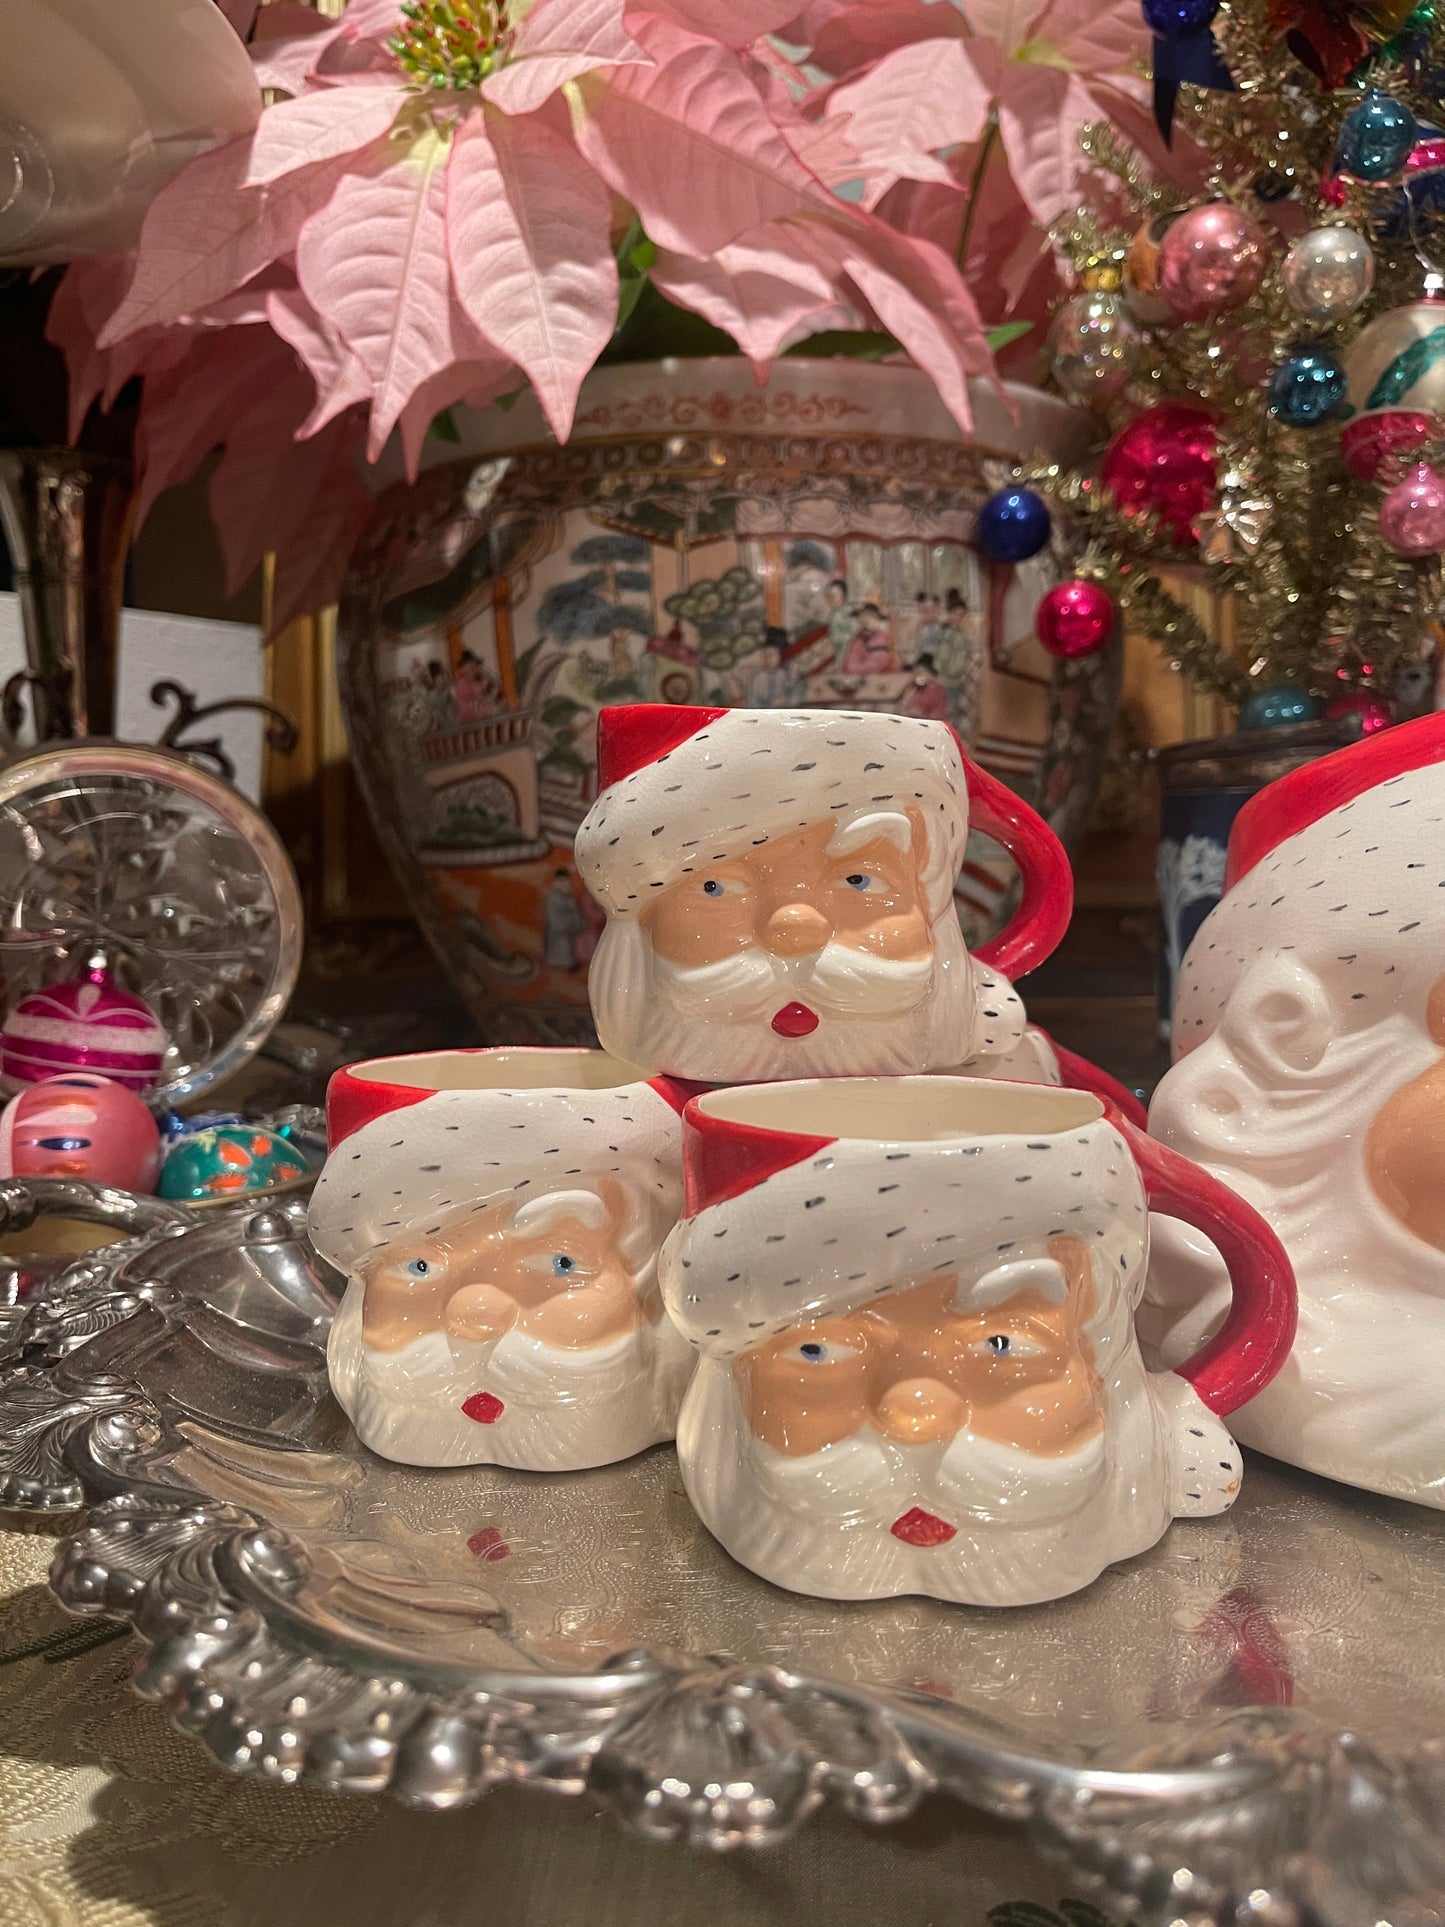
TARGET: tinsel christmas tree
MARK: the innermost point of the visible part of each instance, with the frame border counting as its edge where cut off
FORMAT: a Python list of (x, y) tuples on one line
[(1229, 302)]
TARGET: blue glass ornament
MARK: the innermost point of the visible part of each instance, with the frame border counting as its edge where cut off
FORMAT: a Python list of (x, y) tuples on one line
[(1013, 525), (1308, 388), (1176, 19), (1272, 708), (1376, 137)]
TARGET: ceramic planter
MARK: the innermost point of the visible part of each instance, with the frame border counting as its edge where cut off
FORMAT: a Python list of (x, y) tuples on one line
[(701, 539)]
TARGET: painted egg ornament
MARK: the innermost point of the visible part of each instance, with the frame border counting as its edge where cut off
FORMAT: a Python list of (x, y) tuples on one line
[(1327, 273), (1094, 344), (1075, 618), (1395, 397), (1211, 260), (1164, 462), (89, 1024), (1412, 513), (1308, 388), (1376, 137), (80, 1125), (1278, 706), (1012, 525), (229, 1161)]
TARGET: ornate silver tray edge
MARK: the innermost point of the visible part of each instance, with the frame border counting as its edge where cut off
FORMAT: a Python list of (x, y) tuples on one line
[(1268, 1820)]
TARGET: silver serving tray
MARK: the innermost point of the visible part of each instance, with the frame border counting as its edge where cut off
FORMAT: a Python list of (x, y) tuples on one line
[(1245, 1725)]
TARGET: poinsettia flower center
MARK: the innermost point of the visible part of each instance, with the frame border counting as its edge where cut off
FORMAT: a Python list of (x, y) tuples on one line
[(453, 44), (1043, 54)]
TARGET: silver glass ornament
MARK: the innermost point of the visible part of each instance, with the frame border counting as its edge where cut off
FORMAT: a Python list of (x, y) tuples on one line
[(1094, 344), (1327, 273)]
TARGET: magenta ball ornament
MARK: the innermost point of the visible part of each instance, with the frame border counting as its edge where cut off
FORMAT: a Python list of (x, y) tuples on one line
[(1412, 513), (1374, 712), (1211, 259), (1075, 618)]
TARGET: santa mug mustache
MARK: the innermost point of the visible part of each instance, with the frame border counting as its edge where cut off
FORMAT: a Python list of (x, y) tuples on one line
[(498, 1214), (779, 893), (913, 1300)]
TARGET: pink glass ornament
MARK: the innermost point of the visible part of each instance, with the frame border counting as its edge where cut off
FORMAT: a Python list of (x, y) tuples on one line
[(1211, 259), (1163, 461), (1075, 618), (89, 1024), (1412, 514), (1373, 711), (80, 1126)]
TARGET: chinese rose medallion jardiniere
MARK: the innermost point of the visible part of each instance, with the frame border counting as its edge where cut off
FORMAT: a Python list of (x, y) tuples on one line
[(701, 539), (1309, 1037), (779, 895), (914, 1303), (498, 1215)]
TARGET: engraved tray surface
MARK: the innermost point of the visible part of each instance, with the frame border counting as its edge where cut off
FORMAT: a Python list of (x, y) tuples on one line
[(1245, 1724)]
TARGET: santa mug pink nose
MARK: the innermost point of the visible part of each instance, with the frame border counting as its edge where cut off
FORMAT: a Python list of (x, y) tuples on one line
[(498, 1215), (779, 894), (913, 1300)]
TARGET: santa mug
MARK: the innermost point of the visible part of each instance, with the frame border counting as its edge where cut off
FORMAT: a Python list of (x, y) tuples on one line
[(779, 895), (498, 1215), (1309, 1037), (914, 1303)]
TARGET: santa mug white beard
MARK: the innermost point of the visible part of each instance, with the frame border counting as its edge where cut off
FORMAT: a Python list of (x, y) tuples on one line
[(543, 1408), (1310, 1010), (498, 1213), (779, 890), (914, 1302)]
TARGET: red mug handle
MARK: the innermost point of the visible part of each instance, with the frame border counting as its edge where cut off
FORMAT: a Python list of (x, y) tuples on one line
[(1035, 929), (1078, 1074), (1253, 1342)]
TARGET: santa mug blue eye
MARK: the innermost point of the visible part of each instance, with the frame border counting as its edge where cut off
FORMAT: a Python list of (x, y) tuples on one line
[(817, 1351), (860, 880), (712, 888), (562, 1265), (999, 1344), (418, 1268)]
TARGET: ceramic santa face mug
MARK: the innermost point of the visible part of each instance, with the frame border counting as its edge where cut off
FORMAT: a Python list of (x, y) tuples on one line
[(779, 895), (498, 1215), (914, 1303), (1309, 1033)]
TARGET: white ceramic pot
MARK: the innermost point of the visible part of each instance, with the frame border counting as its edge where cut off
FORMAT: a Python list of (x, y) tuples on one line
[(701, 539)]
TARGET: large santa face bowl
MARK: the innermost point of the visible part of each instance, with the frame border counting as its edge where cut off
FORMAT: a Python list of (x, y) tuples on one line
[(914, 1303), (498, 1215), (1309, 1029), (779, 895)]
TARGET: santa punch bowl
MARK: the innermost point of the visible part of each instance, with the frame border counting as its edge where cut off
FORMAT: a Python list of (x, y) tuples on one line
[(701, 539)]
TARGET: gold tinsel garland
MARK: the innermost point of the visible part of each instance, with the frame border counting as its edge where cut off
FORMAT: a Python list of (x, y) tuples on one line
[(1292, 537)]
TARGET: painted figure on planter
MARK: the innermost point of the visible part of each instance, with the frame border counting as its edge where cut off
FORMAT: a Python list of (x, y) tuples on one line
[(914, 1301), (1309, 1036), (498, 1214), (779, 892)]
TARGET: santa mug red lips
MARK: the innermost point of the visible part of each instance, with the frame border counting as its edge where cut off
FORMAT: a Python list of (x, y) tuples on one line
[(779, 893), (913, 1300), (498, 1215)]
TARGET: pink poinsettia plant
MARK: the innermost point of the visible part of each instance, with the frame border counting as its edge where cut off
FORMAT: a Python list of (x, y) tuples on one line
[(434, 208)]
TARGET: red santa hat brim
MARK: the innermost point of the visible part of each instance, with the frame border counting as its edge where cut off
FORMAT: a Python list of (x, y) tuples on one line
[(1293, 802)]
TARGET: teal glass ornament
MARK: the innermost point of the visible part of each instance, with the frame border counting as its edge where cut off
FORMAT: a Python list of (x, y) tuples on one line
[(1375, 137), (1272, 708), (229, 1161), (1307, 389)]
